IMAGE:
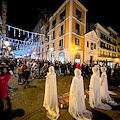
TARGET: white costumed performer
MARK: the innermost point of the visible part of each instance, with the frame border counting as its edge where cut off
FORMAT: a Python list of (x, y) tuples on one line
[(50, 97), (77, 107), (104, 88), (95, 93)]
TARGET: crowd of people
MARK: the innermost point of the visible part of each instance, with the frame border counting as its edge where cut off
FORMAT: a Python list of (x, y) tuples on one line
[(40, 68), (35, 68)]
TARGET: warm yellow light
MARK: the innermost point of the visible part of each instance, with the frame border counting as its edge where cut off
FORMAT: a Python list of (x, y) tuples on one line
[(117, 60), (51, 49), (61, 106), (76, 48)]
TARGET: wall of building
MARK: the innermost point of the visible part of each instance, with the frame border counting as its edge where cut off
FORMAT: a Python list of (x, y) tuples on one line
[(91, 38), (69, 47), (118, 48)]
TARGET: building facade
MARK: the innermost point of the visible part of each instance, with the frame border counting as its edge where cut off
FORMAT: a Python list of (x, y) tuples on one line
[(107, 48), (91, 47), (65, 31), (118, 48)]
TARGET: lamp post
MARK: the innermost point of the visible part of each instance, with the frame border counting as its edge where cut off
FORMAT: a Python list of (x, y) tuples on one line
[(6, 45)]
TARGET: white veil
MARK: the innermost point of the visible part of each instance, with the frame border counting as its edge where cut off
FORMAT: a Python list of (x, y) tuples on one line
[(95, 92), (103, 69), (50, 97), (104, 88), (77, 107), (51, 70)]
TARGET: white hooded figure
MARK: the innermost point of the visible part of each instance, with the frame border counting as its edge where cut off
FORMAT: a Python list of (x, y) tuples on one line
[(50, 97), (104, 88), (77, 107), (98, 69), (95, 93)]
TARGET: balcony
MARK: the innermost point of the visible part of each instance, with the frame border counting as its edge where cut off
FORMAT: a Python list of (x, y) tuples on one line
[(62, 19), (79, 18), (114, 44), (53, 37), (61, 33), (53, 26), (108, 56), (61, 47), (78, 32)]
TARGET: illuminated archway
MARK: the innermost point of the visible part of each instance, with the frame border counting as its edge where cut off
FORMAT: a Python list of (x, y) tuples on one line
[(77, 58), (62, 57)]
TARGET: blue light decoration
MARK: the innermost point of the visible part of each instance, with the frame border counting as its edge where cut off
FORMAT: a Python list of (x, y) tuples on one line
[(32, 36), (19, 33), (0, 37), (9, 27), (23, 32), (14, 32), (28, 34)]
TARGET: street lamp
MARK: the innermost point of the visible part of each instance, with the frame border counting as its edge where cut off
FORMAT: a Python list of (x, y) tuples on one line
[(51, 49), (6, 43), (117, 60), (76, 48), (5, 46)]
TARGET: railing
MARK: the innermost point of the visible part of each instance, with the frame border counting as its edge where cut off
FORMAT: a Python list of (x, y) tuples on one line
[(53, 26), (79, 18), (110, 56), (62, 19), (61, 33), (61, 47), (53, 37), (78, 32)]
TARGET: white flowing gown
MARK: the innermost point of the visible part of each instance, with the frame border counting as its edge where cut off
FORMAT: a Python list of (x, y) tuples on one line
[(50, 97), (95, 93), (77, 107), (104, 89)]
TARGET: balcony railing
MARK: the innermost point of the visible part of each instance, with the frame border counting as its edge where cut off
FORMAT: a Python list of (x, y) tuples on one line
[(109, 56), (79, 18), (61, 33), (62, 19), (78, 32), (61, 47), (53, 26), (53, 37)]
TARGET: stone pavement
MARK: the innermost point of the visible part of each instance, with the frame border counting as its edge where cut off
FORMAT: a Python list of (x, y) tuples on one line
[(29, 101)]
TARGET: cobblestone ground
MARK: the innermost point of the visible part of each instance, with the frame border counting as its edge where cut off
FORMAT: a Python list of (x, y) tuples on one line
[(30, 100)]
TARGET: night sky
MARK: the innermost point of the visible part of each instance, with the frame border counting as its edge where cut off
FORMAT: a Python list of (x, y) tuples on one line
[(25, 15)]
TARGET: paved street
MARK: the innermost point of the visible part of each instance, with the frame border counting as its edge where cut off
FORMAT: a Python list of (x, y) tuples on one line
[(29, 101)]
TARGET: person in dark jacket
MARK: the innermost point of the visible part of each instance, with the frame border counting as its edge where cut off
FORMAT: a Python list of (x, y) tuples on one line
[(71, 70), (116, 72), (108, 72), (26, 75)]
